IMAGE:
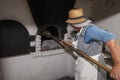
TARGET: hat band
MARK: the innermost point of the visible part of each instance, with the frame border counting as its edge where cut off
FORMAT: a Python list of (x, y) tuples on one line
[(78, 17)]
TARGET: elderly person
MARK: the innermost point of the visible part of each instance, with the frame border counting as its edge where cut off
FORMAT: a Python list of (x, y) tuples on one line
[(89, 40)]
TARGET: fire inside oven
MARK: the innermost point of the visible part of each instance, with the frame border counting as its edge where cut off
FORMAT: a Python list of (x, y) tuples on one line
[(47, 43)]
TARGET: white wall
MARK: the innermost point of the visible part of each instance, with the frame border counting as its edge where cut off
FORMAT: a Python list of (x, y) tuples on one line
[(26, 67), (18, 10), (107, 15), (49, 68), (86, 5)]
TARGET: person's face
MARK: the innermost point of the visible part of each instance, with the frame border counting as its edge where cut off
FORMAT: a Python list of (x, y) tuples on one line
[(76, 28)]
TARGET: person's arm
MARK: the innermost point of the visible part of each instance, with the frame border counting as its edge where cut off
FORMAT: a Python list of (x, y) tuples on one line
[(115, 52), (94, 33), (97, 34)]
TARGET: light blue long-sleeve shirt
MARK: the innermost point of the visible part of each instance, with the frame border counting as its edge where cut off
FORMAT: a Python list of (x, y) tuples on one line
[(95, 33)]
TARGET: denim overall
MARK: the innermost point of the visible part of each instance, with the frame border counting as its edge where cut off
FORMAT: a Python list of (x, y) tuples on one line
[(86, 70)]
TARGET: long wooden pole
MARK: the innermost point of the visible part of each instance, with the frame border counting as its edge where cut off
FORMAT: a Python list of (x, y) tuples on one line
[(79, 52)]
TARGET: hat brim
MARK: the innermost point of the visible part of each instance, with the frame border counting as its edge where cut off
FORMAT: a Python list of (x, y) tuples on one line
[(75, 21)]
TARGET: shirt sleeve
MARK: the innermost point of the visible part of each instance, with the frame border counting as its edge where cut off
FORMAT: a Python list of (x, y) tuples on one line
[(95, 33)]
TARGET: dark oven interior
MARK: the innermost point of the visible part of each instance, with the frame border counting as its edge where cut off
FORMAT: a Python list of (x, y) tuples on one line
[(50, 15), (14, 38), (47, 43)]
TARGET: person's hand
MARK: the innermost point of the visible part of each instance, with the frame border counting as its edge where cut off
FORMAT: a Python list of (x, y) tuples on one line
[(115, 72)]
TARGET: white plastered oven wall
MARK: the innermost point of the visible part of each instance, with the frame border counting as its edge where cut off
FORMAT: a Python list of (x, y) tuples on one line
[(110, 13), (26, 67), (43, 68)]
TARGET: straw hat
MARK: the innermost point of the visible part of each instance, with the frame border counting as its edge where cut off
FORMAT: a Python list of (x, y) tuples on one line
[(76, 16)]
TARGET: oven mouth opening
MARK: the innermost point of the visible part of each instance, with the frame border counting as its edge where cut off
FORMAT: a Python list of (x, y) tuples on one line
[(47, 43)]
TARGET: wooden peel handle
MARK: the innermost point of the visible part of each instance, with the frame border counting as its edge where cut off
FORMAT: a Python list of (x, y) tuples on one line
[(82, 54), (88, 57)]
